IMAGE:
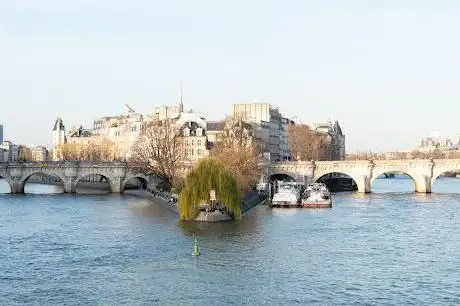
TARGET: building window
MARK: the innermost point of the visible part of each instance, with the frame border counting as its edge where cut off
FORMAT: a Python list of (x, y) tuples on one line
[(198, 152), (198, 142), (193, 142), (191, 152)]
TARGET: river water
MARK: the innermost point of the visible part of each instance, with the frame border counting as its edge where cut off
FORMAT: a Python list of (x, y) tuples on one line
[(389, 247)]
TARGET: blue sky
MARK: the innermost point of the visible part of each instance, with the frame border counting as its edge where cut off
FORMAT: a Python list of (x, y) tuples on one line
[(389, 71)]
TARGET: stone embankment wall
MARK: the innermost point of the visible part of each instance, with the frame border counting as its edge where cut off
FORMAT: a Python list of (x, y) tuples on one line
[(252, 200), (161, 198)]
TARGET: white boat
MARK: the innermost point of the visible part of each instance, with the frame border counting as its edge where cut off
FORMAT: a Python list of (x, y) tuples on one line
[(316, 196), (288, 194)]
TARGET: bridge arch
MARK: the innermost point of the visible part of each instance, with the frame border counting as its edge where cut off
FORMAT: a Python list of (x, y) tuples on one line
[(450, 176), (359, 183), (98, 178), (144, 180), (22, 183), (331, 181), (281, 176), (386, 173), (7, 184)]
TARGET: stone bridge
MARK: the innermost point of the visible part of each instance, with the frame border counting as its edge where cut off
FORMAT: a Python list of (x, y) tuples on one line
[(423, 172), (71, 172)]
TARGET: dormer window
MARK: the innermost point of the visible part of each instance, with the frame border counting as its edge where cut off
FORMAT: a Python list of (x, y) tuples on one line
[(186, 132), (199, 132)]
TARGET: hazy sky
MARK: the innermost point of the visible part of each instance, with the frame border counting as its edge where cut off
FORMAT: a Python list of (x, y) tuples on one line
[(389, 71)]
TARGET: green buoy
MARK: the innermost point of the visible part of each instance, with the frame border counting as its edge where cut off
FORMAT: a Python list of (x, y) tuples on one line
[(195, 249)]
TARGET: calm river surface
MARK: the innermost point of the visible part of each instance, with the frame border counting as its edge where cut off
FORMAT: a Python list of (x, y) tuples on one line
[(388, 247)]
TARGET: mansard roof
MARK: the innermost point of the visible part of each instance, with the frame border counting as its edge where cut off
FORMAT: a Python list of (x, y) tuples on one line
[(191, 117), (192, 126)]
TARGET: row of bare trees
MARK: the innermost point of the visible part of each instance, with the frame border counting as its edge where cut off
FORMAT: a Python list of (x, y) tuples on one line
[(102, 150), (307, 144), (436, 154)]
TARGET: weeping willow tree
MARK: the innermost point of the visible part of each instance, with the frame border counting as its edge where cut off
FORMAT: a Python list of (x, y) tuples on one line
[(209, 174)]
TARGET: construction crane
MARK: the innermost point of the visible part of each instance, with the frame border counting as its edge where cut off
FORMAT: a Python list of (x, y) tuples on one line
[(131, 110)]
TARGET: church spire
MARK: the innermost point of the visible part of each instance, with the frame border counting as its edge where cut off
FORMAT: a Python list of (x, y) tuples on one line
[(181, 105)]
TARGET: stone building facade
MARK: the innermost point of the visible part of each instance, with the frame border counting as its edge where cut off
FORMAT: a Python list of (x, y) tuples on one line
[(269, 125), (122, 131), (437, 142), (192, 128), (10, 151), (39, 153)]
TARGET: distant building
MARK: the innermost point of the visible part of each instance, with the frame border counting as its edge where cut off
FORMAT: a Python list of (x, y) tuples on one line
[(3, 155), (285, 151), (58, 137), (39, 153), (1, 133), (268, 124), (336, 138), (192, 129), (10, 151), (122, 131), (167, 111), (437, 142), (25, 153), (231, 128)]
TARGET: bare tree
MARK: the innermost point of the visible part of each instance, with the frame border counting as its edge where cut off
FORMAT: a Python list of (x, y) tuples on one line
[(160, 150), (236, 134), (306, 144), (237, 147), (94, 150)]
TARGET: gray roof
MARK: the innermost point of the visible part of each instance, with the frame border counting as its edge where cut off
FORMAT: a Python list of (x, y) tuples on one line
[(58, 125), (215, 125), (337, 128)]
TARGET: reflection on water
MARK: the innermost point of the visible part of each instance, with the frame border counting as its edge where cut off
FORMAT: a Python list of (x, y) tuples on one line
[(382, 248), (42, 188), (398, 184), (4, 186)]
